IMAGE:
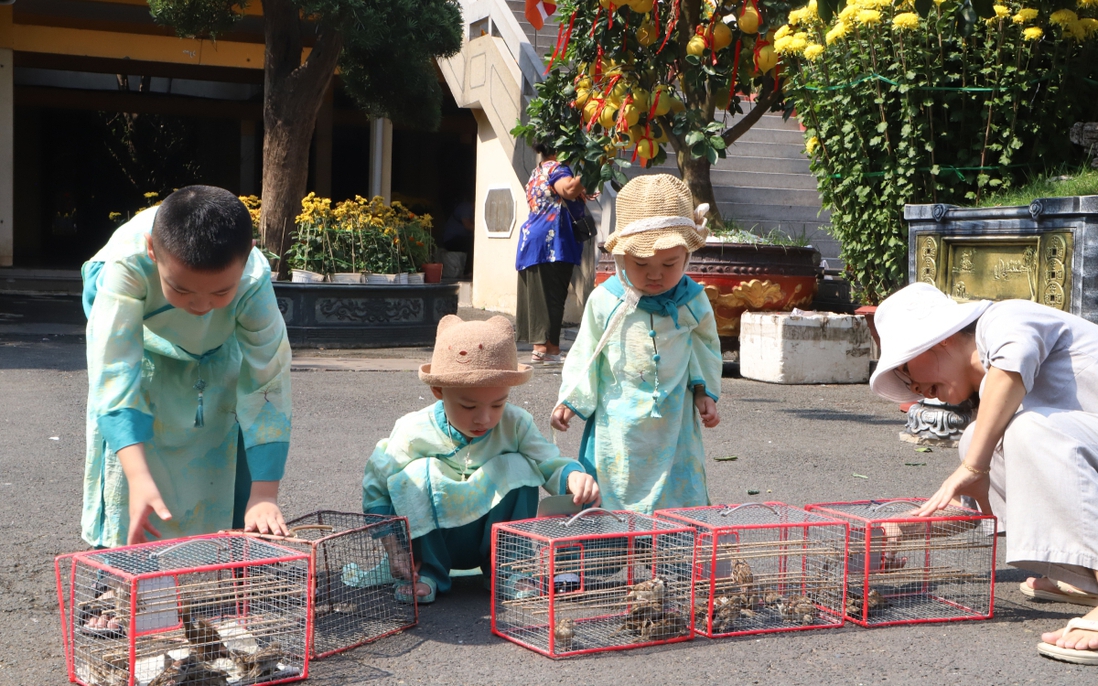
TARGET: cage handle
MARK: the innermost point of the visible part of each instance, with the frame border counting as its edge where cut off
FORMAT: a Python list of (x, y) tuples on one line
[(893, 502), (157, 553), (733, 509), (592, 511), (308, 527)]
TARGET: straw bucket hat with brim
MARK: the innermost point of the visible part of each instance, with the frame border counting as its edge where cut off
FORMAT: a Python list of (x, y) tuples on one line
[(656, 213), (909, 322), (474, 355)]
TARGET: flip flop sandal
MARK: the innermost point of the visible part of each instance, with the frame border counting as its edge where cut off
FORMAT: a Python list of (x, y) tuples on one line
[(378, 575), (1079, 657), (403, 596), (1062, 596), (519, 587)]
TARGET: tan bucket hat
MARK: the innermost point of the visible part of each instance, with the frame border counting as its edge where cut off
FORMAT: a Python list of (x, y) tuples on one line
[(475, 355), (656, 212)]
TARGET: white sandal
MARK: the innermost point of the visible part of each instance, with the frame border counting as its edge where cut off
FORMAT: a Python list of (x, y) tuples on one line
[(1079, 657)]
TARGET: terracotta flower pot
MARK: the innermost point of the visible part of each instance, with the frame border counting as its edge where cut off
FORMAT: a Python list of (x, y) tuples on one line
[(432, 272), (739, 277)]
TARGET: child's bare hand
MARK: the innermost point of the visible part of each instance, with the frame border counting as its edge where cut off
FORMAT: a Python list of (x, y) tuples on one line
[(264, 516), (400, 565), (145, 500), (707, 408), (584, 488), (562, 415)]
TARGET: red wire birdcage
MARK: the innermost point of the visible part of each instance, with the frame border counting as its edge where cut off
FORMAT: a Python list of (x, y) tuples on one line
[(765, 567), (597, 581), (213, 609), (904, 569), (354, 586)]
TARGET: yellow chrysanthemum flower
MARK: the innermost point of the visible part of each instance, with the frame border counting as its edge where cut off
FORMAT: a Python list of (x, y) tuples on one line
[(837, 31), (797, 16), (1076, 30), (1001, 11), (906, 20), (869, 17), (849, 12), (1063, 17), (939, 2), (812, 51), (1025, 14), (782, 32), (781, 45), (812, 143), (1089, 25), (813, 10), (1087, 3), (1032, 33)]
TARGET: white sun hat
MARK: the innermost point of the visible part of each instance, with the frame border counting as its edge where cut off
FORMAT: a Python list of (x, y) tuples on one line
[(909, 322)]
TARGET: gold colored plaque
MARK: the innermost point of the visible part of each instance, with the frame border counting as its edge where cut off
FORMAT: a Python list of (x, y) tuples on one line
[(1036, 268)]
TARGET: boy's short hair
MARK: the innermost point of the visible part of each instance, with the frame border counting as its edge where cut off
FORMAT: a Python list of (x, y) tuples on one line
[(204, 227)]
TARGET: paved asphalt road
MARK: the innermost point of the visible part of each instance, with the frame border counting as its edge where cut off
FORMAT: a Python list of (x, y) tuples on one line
[(796, 444)]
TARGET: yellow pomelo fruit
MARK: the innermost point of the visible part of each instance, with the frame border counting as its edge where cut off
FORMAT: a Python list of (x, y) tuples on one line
[(664, 104), (582, 96), (646, 34), (606, 4), (590, 109), (636, 133), (583, 84), (646, 150), (677, 105), (641, 6), (749, 20), (768, 59), (608, 117), (722, 36), (631, 114), (663, 137), (640, 99), (696, 46)]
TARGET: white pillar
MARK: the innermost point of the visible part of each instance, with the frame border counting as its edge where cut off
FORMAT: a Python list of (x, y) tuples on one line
[(381, 159), (7, 158)]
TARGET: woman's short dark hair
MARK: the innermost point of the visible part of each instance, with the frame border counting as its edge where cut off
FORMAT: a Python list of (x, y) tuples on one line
[(544, 149), (204, 227)]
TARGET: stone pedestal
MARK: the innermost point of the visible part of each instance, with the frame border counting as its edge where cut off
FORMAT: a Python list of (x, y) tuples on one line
[(803, 348), (932, 423)]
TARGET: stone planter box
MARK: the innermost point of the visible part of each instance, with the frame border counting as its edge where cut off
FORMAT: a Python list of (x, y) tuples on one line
[(362, 315), (1047, 252), (741, 277), (817, 347)]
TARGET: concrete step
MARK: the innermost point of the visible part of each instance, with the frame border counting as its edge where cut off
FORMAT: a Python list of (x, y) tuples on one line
[(742, 148), (793, 215), (745, 175), (765, 165), (40, 281), (768, 196), (782, 136)]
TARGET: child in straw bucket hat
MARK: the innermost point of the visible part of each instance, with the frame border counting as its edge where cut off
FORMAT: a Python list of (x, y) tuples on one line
[(1031, 456), (470, 460), (646, 364)]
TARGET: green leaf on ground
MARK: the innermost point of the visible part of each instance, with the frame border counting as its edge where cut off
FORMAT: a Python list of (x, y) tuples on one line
[(860, 476), (924, 449), (752, 491), (727, 458)]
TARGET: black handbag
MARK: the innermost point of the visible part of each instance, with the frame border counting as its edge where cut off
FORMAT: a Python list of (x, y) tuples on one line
[(583, 228)]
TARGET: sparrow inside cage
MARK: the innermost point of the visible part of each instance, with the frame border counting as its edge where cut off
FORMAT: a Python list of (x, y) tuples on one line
[(597, 581), (204, 611), (905, 569), (763, 567), (361, 562)]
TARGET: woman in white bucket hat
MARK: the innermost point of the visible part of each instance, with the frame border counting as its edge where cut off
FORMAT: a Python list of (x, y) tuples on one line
[(1031, 455)]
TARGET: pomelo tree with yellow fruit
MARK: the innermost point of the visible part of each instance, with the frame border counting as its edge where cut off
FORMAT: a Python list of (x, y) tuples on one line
[(644, 80)]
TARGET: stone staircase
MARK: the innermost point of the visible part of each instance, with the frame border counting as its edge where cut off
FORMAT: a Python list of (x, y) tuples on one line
[(763, 184)]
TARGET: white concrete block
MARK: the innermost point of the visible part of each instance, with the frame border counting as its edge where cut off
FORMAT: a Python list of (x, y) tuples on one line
[(806, 347)]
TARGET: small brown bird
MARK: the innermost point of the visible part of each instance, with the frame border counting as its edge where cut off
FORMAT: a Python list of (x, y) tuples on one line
[(205, 642), (772, 598), (799, 608), (874, 603), (261, 663), (563, 634), (649, 592)]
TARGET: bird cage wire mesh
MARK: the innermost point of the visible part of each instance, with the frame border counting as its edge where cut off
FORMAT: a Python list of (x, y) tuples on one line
[(360, 562), (904, 569), (597, 581), (204, 611), (765, 567)]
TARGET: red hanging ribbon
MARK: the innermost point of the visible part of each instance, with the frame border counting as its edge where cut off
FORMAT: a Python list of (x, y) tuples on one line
[(610, 16), (595, 21), (671, 22), (655, 103), (759, 44), (735, 70), (566, 37), (656, 17)]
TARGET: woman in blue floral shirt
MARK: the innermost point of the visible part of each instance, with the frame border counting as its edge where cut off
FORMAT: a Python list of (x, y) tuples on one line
[(547, 253)]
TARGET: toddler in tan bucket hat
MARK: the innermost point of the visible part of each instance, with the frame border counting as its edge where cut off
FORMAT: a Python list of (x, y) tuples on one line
[(645, 370), (466, 462)]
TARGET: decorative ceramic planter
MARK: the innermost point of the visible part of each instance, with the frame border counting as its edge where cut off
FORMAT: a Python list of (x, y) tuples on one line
[(432, 272), (415, 278), (739, 277), (306, 276), (363, 315), (383, 279), (347, 277)]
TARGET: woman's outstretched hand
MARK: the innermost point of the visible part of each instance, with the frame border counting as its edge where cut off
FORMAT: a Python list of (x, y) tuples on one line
[(961, 482)]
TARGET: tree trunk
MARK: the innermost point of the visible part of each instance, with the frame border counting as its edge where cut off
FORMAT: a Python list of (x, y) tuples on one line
[(292, 94), (695, 172)]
